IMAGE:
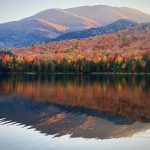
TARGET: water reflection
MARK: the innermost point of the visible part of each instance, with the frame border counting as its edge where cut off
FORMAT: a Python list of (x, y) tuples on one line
[(127, 96), (92, 106), (29, 139)]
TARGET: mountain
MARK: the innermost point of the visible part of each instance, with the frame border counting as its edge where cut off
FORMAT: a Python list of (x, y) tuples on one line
[(120, 24), (128, 39), (55, 22), (103, 14)]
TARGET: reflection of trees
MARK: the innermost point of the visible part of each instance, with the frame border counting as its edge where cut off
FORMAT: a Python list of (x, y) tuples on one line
[(123, 95)]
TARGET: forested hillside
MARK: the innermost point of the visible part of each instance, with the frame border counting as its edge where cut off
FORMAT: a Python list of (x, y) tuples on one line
[(126, 50)]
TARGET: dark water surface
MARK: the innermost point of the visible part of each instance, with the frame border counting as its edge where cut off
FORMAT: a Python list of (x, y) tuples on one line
[(74, 112)]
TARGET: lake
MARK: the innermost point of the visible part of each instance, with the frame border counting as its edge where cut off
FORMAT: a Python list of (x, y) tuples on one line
[(84, 112)]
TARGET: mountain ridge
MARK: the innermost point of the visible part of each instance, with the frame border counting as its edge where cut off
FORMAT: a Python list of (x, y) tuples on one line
[(51, 23)]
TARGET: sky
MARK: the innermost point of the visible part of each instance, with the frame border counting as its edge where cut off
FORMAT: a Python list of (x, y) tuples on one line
[(12, 10)]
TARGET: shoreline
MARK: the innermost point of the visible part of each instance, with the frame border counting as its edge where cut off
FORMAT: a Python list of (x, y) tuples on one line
[(72, 73)]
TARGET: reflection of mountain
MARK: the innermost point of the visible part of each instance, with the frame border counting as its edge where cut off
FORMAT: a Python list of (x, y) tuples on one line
[(58, 120), (122, 95)]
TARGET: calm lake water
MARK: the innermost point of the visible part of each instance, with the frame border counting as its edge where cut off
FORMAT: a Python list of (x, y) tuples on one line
[(74, 112)]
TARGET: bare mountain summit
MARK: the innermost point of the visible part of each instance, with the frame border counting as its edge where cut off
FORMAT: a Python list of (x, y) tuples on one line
[(55, 22)]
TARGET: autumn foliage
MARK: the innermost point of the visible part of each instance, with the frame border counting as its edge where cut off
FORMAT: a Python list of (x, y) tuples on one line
[(123, 51)]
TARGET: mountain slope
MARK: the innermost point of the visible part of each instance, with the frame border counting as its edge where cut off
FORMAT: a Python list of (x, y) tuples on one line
[(29, 31), (106, 14), (132, 39), (52, 23), (65, 18), (41, 28), (120, 24)]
